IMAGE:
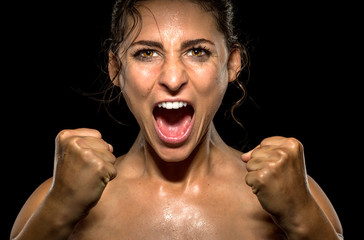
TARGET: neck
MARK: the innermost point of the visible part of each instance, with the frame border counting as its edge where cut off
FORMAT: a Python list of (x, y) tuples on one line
[(197, 164)]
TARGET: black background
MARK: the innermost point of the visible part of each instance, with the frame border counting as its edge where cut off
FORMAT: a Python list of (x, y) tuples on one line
[(302, 85)]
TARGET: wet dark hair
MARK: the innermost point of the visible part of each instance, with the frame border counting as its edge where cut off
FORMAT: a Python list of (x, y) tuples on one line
[(126, 19)]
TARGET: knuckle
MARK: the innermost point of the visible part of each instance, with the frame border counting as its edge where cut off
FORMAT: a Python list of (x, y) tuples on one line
[(262, 176), (76, 141), (271, 140), (91, 132), (113, 173), (266, 141), (100, 165), (283, 153), (62, 135), (293, 143), (112, 158), (250, 179), (105, 171), (285, 158), (260, 179), (98, 133), (249, 166), (72, 144), (87, 153), (274, 169)]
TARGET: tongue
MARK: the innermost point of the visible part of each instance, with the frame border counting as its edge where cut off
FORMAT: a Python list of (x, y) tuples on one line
[(173, 123)]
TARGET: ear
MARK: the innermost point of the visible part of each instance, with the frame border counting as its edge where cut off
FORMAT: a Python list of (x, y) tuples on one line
[(114, 69), (234, 64)]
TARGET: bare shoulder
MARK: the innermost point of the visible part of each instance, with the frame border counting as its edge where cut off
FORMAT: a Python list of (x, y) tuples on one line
[(129, 166), (325, 204), (232, 158), (30, 206)]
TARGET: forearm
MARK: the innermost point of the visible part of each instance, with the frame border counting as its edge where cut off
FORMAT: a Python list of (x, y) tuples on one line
[(309, 224), (49, 221)]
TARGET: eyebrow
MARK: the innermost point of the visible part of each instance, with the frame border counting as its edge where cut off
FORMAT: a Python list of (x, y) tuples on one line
[(148, 43), (184, 45), (194, 42)]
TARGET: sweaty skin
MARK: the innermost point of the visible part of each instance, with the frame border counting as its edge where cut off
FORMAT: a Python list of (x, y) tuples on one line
[(195, 187)]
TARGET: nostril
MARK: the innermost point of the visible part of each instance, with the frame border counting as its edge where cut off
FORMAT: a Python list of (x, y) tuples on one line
[(174, 79), (173, 88)]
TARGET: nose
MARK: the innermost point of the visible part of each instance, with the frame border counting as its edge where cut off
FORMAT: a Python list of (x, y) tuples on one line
[(174, 76)]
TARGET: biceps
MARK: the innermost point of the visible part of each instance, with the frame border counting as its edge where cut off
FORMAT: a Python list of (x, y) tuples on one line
[(325, 205), (30, 206)]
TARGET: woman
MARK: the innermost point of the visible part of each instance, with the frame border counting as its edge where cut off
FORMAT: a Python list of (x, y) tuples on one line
[(173, 60)]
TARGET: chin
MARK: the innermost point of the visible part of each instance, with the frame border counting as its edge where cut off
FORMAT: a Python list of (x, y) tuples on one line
[(173, 154)]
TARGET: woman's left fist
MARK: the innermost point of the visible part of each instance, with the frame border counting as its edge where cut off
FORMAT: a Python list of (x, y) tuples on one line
[(277, 175)]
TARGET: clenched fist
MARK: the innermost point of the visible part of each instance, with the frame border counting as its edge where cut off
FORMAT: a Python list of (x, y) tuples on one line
[(277, 175), (83, 166)]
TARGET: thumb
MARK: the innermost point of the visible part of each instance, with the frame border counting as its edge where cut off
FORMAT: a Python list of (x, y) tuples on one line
[(246, 156), (110, 148)]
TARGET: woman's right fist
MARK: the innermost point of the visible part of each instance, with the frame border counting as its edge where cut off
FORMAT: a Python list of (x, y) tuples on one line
[(83, 166)]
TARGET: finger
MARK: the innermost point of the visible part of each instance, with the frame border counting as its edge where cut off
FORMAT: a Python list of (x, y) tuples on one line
[(247, 156), (109, 173), (263, 157), (81, 132), (106, 156), (88, 132), (255, 164), (252, 179), (92, 143), (111, 148), (276, 140)]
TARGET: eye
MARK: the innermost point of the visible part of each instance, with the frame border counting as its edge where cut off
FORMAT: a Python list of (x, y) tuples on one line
[(148, 53), (199, 54), (145, 54), (196, 52)]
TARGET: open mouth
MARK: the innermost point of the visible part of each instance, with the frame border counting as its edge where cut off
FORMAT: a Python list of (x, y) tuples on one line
[(173, 121)]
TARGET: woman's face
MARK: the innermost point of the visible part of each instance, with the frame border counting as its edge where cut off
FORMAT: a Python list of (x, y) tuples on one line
[(174, 75)]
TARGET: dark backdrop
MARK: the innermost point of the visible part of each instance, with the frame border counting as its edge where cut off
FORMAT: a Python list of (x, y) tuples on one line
[(301, 85)]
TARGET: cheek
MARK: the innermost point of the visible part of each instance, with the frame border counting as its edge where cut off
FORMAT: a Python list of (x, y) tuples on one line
[(211, 82), (138, 82), (211, 86)]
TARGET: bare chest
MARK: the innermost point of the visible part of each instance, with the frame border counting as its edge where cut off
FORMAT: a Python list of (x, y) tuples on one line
[(149, 215)]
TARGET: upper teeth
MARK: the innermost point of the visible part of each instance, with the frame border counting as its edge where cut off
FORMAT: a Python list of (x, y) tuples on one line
[(172, 105)]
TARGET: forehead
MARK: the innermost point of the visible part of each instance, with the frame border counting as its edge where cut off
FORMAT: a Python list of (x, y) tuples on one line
[(174, 20)]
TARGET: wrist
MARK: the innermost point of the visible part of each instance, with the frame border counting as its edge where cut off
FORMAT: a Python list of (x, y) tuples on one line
[(308, 222), (61, 212), (50, 220)]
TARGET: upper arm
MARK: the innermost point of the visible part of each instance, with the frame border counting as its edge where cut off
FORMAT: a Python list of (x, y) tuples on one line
[(325, 205), (30, 206)]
